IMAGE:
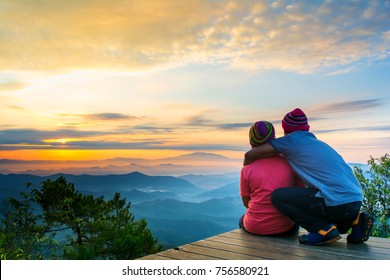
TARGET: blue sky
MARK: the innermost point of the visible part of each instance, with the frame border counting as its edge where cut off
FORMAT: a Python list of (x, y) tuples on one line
[(99, 79)]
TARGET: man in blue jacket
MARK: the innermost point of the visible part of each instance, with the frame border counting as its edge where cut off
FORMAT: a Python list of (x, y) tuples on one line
[(331, 203)]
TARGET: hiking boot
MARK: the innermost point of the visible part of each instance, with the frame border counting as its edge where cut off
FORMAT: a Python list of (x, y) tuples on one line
[(321, 237), (362, 229)]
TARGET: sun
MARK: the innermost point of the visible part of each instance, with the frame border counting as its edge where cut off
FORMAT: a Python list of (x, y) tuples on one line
[(62, 140)]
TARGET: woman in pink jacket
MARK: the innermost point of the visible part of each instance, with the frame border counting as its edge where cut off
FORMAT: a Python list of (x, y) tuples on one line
[(258, 180)]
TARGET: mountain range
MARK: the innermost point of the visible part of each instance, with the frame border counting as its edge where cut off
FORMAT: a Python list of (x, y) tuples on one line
[(194, 163), (177, 222), (177, 210)]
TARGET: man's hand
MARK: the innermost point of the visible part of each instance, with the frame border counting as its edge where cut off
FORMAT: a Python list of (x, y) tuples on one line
[(247, 161), (245, 201), (262, 151)]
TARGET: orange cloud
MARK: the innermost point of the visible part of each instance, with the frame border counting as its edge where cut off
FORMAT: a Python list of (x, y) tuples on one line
[(134, 35)]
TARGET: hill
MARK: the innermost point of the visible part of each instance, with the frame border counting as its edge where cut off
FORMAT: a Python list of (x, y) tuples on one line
[(178, 222), (12, 184), (166, 202), (199, 163), (230, 190), (212, 181), (197, 157)]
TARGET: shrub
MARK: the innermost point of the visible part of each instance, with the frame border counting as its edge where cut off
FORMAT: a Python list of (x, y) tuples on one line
[(89, 227), (376, 193)]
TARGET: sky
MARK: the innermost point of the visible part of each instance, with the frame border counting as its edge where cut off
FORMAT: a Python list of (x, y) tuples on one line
[(99, 79)]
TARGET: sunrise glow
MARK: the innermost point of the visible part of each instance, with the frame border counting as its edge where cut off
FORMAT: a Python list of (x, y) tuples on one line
[(154, 79)]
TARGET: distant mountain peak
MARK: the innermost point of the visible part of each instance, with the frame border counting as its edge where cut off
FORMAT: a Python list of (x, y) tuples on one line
[(201, 156)]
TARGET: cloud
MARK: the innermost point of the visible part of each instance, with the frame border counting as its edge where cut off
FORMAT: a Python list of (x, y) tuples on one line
[(37, 137), (70, 121), (325, 131), (6, 86), (232, 126), (342, 71), (199, 121), (208, 147), (372, 143), (101, 116), (108, 116), (348, 106), (8, 83), (203, 121), (377, 128), (16, 139), (150, 129), (16, 108), (251, 35)]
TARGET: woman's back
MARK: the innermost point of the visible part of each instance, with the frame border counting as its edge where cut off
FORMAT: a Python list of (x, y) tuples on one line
[(258, 180)]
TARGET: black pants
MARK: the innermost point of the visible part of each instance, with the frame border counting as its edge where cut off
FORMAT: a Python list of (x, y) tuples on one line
[(291, 231), (310, 212)]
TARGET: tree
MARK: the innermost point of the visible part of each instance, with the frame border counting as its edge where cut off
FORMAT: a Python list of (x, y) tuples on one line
[(82, 226), (112, 233), (22, 236), (376, 192)]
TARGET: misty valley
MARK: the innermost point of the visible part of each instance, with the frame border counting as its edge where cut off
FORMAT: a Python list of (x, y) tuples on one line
[(178, 210)]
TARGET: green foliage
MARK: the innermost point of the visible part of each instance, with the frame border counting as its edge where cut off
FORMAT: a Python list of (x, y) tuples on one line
[(376, 190), (22, 236), (87, 227)]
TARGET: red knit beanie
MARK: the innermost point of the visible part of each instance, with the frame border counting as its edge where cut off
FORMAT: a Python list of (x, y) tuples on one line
[(294, 121)]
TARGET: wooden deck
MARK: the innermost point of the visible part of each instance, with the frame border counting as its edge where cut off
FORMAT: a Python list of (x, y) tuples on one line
[(239, 245)]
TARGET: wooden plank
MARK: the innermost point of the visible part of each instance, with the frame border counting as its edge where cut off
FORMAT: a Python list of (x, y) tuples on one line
[(217, 253), (156, 257), (299, 250), (279, 251), (373, 241), (377, 242), (240, 245), (188, 255), (378, 248), (341, 248), (249, 251)]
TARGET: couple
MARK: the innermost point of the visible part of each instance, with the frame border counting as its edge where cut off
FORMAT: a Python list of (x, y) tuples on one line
[(298, 180)]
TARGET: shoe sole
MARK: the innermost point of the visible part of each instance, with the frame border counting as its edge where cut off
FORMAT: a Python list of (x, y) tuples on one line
[(367, 227), (323, 242), (367, 224)]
